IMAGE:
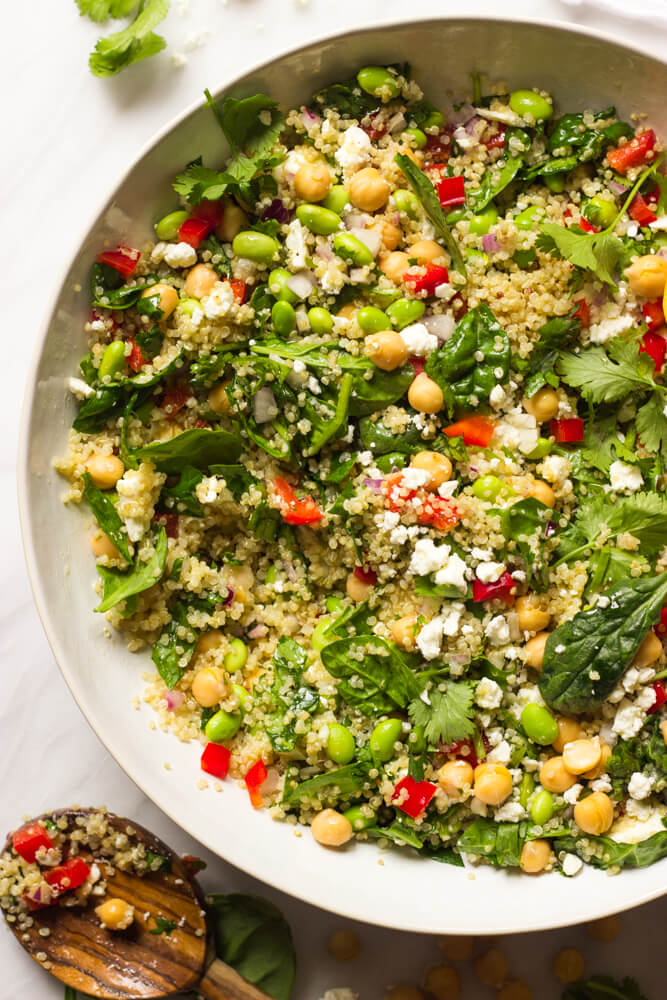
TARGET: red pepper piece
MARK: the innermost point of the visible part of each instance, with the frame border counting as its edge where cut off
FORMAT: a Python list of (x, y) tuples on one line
[(451, 191), (239, 289), (661, 628), (440, 513), (656, 347), (418, 364), (174, 399), (194, 230), (215, 760), (122, 259), (419, 794), (293, 509), (660, 697), (465, 749), (640, 211), (654, 315), (28, 840), (500, 590), (435, 275), (366, 575), (582, 313), (586, 226), (397, 494), (476, 430), (633, 153), (254, 779), (135, 358), (68, 876), (568, 431), (170, 524)]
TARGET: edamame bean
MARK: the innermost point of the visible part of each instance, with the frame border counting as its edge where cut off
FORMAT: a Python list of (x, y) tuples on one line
[(188, 306), (318, 219), (334, 605), (526, 789), (555, 182), (416, 137), (478, 256), (600, 211), (283, 317), (527, 102), (352, 249), (480, 224), (278, 279), (112, 361), (455, 216), (320, 320), (337, 198), (487, 488), (406, 201), (357, 819), (529, 218), (434, 119), (383, 738), (541, 449), (403, 312), (168, 226), (372, 320), (542, 807), (320, 637), (242, 695), (539, 724), (340, 744), (257, 247), (379, 82), (236, 656), (271, 574), (222, 726)]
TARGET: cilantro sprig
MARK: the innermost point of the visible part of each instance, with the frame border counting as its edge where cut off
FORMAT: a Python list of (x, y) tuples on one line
[(135, 42), (448, 716)]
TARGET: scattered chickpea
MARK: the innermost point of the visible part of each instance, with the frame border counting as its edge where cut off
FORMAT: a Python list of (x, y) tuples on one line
[(516, 989), (543, 492), (534, 650), (403, 631), (647, 276), (535, 856), (344, 945), (568, 730), (443, 982), (369, 191), (105, 470), (233, 221), (568, 965), (555, 777), (200, 281), (312, 181), (209, 686), (115, 914), (218, 399), (454, 777), (331, 828), (649, 651), (386, 349), (492, 967), (582, 755), (543, 405), (168, 297), (438, 467), (531, 614), (594, 814), (209, 640), (390, 234), (601, 766), (493, 783), (394, 265), (348, 311), (357, 590), (102, 545), (457, 948), (240, 579), (426, 252), (425, 395), (605, 929)]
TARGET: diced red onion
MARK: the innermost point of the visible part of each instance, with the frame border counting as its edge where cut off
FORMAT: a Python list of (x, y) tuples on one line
[(470, 126), (616, 187), (464, 138), (396, 218), (439, 325), (257, 631), (369, 238), (490, 243), (290, 571), (276, 210), (174, 699), (302, 283), (229, 599), (396, 123), (662, 252), (264, 405), (308, 118), (373, 484), (272, 781), (40, 894), (324, 251), (550, 529), (463, 115)]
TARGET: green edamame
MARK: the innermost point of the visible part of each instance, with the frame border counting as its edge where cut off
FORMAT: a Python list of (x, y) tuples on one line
[(352, 249), (403, 312), (384, 737), (555, 182), (222, 726), (455, 216), (337, 198), (236, 656), (168, 226), (112, 361), (372, 320), (188, 306), (340, 744), (358, 819), (271, 574), (529, 103), (334, 605), (278, 279), (526, 789), (434, 119), (257, 247), (529, 218), (243, 696), (283, 317), (480, 224), (319, 220), (478, 256), (416, 137), (320, 320), (487, 488), (541, 449), (539, 724), (542, 807), (600, 211), (379, 82), (406, 201), (320, 637)]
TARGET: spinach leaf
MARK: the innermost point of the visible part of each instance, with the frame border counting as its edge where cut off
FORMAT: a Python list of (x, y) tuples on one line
[(430, 202), (386, 675), (342, 782), (493, 183), (181, 496), (253, 937), (600, 641), (607, 853), (399, 832), (219, 260), (119, 585), (288, 696), (107, 516), (604, 988), (237, 478), (347, 98), (645, 752), (111, 399), (209, 368), (523, 521), (378, 392), (445, 855), (498, 843), (380, 440), (464, 380), (108, 292), (197, 447), (150, 340), (570, 132), (176, 644), (557, 333), (352, 621)]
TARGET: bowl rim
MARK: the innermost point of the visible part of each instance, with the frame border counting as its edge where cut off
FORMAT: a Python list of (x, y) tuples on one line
[(269, 875)]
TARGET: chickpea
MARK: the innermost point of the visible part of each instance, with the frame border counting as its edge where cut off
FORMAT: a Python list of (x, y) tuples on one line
[(543, 405), (403, 631), (454, 777), (605, 929), (492, 967), (369, 191), (543, 492), (438, 467), (386, 350), (105, 470), (531, 614), (425, 395), (426, 252), (357, 590), (209, 686), (493, 783), (331, 828), (312, 181), (233, 221), (600, 767), (568, 965), (102, 545), (115, 914), (168, 297), (200, 281), (209, 640), (594, 814), (218, 399), (348, 311), (241, 579), (534, 650), (555, 777), (535, 856), (394, 265), (568, 731), (344, 945), (517, 989), (443, 982), (390, 234), (649, 651), (582, 755), (647, 276), (456, 948)]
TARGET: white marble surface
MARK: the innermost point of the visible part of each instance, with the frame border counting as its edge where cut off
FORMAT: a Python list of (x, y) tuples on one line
[(66, 136)]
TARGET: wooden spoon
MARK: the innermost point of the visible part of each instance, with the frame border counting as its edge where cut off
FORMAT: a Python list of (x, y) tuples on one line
[(135, 963)]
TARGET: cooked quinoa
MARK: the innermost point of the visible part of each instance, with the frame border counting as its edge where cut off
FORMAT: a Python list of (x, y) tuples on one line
[(373, 441)]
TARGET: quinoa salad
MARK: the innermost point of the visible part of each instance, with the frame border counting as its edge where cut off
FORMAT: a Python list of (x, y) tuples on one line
[(373, 434)]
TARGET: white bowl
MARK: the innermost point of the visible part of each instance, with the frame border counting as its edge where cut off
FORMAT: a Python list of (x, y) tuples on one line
[(583, 70)]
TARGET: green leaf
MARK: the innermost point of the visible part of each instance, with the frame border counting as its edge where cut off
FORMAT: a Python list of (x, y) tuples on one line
[(197, 447), (288, 698), (430, 202), (605, 379), (182, 494), (175, 646), (101, 10), (119, 585), (524, 521), (557, 333), (107, 516), (347, 98), (253, 937), (219, 260), (604, 988), (237, 478), (373, 675), (608, 853), (163, 926), (643, 515), (499, 844), (330, 786), (596, 252), (448, 717), (399, 832), (651, 424), (114, 52), (493, 183)]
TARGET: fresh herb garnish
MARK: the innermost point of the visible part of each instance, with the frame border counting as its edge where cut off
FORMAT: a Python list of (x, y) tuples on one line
[(448, 716)]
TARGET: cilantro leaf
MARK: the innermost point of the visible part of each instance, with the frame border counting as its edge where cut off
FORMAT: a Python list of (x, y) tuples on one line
[(198, 182), (449, 716), (605, 379), (428, 197), (643, 515), (596, 252), (135, 42), (163, 926), (101, 10), (557, 333), (651, 424)]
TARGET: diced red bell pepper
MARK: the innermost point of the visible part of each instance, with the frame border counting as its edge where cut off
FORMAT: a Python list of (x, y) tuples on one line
[(656, 347), (451, 191), (28, 840), (170, 524), (122, 259), (568, 431), (475, 430), (418, 364), (440, 513), (254, 779), (238, 289), (366, 575), (500, 590), (419, 794), (661, 628), (633, 153), (434, 275), (439, 146), (293, 509), (587, 226), (174, 399), (582, 313), (660, 697), (497, 140), (654, 315), (397, 494), (640, 211), (135, 358), (215, 760), (194, 230), (465, 749), (67, 876)]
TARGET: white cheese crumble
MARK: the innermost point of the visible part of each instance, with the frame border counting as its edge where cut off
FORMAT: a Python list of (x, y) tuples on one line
[(354, 149), (79, 388), (518, 430), (429, 640), (180, 255), (220, 302), (601, 332), (500, 754), (498, 631), (418, 340), (572, 794), (488, 694), (489, 572), (640, 785), (571, 865), (555, 469), (414, 479), (510, 812), (428, 557), (625, 478)]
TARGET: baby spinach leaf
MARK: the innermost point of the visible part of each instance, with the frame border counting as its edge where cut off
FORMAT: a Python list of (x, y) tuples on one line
[(111, 399), (430, 202), (399, 832), (107, 516), (493, 183), (119, 585), (570, 132), (499, 844), (556, 334), (173, 650), (237, 478), (346, 97), (150, 340), (108, 293), (610, 854), (181, 496), (523, 521), (351, 621), (288, 695), (379, 392), (197, 447), (342, 782), (209, 368), (600, 641), (385, 674), (253, 937)]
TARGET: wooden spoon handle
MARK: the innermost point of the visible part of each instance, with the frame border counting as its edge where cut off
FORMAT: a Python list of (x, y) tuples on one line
[(221, 982)]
